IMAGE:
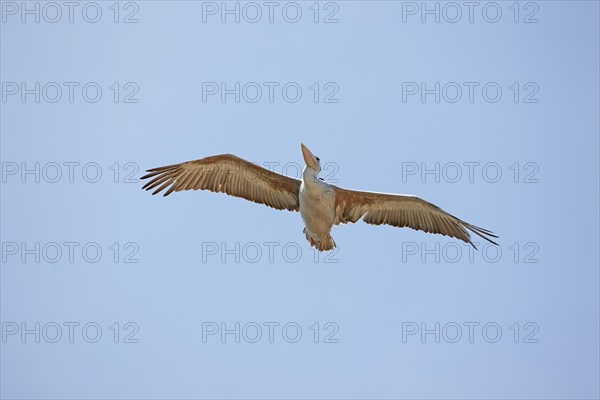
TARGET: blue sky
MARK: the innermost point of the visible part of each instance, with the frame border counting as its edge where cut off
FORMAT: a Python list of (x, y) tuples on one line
[(493, 117)]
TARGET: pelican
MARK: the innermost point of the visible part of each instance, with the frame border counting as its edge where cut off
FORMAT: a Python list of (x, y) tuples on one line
[(321, 205)]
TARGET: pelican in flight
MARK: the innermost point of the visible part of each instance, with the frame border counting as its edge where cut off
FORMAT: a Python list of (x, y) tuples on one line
[(321, 205)]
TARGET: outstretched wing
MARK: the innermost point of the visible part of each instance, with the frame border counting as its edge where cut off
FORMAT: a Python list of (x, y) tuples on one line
[(402, 211), (231, 175)]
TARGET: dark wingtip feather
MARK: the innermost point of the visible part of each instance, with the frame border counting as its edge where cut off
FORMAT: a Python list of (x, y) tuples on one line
[(155, 171), (151, 174), (485, 237)]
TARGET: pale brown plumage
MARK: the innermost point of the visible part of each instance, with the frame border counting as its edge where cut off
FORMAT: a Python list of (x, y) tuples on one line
[(228, 174), (402, 211), (237, 177)]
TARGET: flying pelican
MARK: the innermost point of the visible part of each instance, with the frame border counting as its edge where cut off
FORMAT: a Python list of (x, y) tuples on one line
[(321, 205)]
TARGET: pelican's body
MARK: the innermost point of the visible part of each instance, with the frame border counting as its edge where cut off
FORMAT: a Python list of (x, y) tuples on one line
[(320, 204), (317, 208)]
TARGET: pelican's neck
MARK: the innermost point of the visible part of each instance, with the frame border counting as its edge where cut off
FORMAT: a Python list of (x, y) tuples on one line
[(310, 177)]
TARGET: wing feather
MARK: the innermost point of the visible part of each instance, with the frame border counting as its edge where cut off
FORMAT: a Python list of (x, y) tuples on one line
[(228, 174), (402, 211)]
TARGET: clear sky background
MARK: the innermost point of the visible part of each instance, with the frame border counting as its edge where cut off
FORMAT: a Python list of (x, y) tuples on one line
[(203, 259)]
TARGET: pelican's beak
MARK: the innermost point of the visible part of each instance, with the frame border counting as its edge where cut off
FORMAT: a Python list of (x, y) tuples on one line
[(309, 158)]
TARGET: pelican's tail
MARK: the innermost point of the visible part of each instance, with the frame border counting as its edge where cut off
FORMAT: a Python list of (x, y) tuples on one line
[(323, 245)]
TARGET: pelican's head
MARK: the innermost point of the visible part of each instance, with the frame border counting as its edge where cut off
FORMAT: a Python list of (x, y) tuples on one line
[(310, 159)]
